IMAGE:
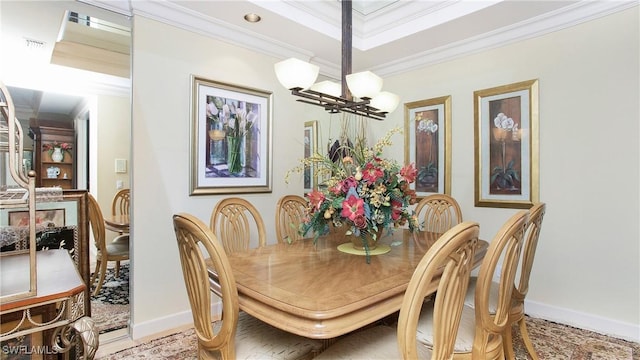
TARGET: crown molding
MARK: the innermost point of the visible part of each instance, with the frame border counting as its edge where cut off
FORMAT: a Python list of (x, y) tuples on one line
[(173, 14), (553, 21)]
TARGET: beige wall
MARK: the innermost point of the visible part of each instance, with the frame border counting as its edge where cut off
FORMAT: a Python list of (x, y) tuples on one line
[(588, 256), (112, 140)]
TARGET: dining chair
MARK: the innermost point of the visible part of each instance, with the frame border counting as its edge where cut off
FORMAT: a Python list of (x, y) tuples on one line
[(521, 284), (290, 212), (116, 250), (236, 334), (236, 222), (481, 330), (438, 213), (451, 259), (120, 206), (120, 202)]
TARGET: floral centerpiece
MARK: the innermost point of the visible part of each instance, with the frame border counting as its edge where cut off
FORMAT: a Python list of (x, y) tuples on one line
[(364, 193)]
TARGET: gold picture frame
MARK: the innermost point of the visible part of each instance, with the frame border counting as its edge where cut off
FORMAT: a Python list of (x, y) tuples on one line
[(231, 145), (310, 177), (427, 125), (507, 145)]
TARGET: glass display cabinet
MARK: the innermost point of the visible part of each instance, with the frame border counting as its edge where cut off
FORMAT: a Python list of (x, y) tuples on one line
[(44, 299)]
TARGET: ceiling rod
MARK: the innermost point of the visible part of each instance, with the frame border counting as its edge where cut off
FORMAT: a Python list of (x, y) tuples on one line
[(299, 77), (347, 42)]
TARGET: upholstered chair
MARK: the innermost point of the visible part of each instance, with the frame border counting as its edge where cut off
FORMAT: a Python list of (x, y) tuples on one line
[(521, 285), (481, 329), (450, 259), (116, 250), (236, 335)]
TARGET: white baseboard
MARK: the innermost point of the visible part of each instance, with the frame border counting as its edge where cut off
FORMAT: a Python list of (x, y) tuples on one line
[(161, 325), (601, 325)]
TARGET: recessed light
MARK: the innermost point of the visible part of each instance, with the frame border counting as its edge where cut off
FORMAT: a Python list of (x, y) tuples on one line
[(252, 17)]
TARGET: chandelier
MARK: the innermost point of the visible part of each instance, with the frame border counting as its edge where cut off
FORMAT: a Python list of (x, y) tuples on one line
[(359, 94)]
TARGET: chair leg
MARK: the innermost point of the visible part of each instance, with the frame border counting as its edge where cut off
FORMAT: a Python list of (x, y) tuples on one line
[(95, 272), (117, 269), (103, 271), (507, 344), (525, 338)]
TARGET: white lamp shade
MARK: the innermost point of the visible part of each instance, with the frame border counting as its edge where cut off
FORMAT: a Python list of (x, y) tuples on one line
[(364, 84), (295, 73), (385, 101), (327, 87)]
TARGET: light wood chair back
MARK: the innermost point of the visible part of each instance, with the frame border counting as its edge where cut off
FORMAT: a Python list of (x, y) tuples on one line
[(516, 315), (290, 212), (191, 234), (235, 221), (235, 334), (451, 259), (121, 202), (452, 254), (490, 321), (481, 329), (116, 250), (438, 213), (119, 206)]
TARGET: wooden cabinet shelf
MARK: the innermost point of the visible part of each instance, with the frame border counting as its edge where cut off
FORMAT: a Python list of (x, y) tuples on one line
[(49, 172)]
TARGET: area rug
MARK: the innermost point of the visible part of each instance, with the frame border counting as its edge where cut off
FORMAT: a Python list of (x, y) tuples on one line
[(551, 341), (110, 308)]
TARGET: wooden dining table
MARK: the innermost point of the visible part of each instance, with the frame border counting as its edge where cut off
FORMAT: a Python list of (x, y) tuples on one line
[(318, 291), (118, 223)]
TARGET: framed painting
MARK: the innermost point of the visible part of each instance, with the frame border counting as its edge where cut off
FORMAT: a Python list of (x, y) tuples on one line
[(506, 145), (230, 138), (310, 148), (427, 143), (49, 218)]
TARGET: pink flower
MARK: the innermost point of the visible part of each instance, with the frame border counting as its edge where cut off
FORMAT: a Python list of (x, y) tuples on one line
[(396, 209), (360, 221), (371, 173), (336, 189), (348, 183), (409, 172), (315, 199), (352, 207)]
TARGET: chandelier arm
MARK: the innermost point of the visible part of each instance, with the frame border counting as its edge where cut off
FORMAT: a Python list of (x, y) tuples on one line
[(335, 104)]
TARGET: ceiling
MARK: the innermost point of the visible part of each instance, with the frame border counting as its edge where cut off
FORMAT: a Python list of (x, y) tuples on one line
[(389, 36)]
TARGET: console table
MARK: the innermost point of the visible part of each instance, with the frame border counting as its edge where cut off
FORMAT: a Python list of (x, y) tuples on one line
[(59, 286)]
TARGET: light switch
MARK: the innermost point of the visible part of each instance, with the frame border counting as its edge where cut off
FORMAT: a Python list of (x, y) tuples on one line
[(121, 166), (119, 184)]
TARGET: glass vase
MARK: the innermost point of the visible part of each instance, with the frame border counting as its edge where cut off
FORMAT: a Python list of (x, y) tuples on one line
[(234, 152)]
